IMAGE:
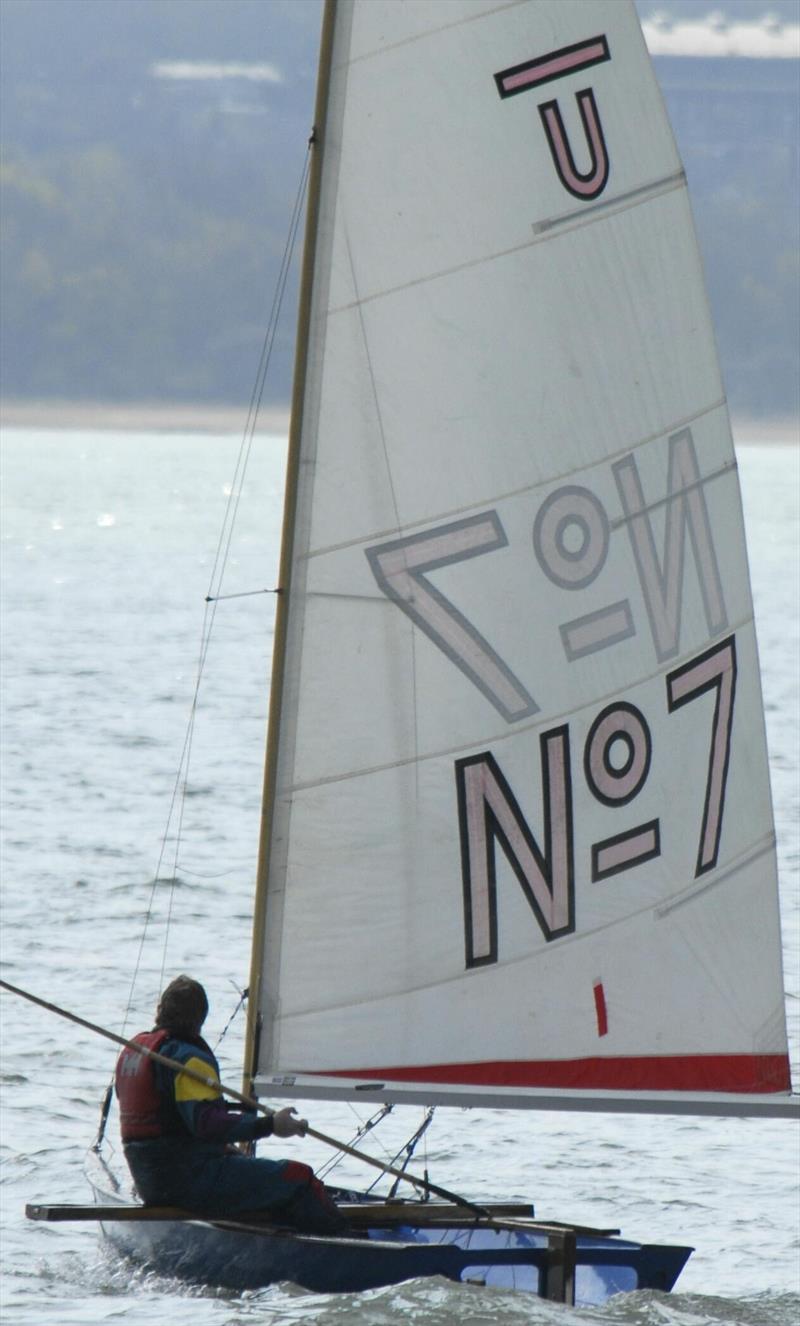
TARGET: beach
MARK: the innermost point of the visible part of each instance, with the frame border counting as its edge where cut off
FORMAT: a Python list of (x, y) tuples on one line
[(144, 417), (181, 417)]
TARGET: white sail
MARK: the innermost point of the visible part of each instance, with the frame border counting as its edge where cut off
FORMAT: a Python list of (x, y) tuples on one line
[(521, 842)]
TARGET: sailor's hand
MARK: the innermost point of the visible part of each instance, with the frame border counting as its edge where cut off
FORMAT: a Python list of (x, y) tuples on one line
[(283, 1125)]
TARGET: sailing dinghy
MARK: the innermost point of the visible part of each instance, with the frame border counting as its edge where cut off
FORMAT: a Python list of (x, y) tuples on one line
[(517, 846)]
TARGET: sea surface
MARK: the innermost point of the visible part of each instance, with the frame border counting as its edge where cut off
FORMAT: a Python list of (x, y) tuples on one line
[(108, 544)]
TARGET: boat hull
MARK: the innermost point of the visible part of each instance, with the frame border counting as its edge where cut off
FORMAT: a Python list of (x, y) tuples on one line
[(208, 1252), (204, 1253)]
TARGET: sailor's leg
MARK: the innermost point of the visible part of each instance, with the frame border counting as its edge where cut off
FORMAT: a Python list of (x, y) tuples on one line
[(283, 1189), (310, 1208)]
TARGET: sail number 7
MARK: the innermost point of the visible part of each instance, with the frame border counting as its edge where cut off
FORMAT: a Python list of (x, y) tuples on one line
[(669, 536), (490, 815)]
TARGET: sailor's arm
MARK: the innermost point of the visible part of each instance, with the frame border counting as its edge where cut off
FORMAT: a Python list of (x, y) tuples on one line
[(209, 1118)]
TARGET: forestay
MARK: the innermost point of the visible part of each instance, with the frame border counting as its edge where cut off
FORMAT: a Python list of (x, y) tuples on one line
[(522, 845)]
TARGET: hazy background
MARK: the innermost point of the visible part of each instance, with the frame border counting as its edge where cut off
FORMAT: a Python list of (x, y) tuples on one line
[(145, 207)]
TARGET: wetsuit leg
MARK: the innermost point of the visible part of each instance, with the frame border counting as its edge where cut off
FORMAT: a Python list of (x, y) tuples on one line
[(226, 1184), (310, 1208), (284, 1189)]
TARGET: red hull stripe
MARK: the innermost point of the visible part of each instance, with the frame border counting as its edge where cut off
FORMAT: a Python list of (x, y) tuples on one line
[(680, 1072)]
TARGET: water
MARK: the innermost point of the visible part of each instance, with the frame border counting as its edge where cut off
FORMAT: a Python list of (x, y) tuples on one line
[(108, 546)]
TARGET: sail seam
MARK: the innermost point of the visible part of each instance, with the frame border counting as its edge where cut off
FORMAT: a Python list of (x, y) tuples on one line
[(608, 206), (431, 32), (621, 521), (649, 192), (438, 517), (311, 784), (753, 853), (373, 384), (659, 910), (390, 476)]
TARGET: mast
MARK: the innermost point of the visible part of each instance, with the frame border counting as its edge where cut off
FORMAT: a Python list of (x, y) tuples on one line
[(287, 543)]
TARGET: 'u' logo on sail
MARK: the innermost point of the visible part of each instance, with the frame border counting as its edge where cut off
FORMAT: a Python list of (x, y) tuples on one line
[(544, 69)]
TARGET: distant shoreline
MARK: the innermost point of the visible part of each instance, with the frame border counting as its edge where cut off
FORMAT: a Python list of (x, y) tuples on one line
[(152, 418), (783, 431), (162, 418)]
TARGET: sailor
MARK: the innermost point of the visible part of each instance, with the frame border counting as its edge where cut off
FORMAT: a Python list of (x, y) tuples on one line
[(177, 1133)]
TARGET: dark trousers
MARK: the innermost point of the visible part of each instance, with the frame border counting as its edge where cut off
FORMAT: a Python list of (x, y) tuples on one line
[(205, 1178)]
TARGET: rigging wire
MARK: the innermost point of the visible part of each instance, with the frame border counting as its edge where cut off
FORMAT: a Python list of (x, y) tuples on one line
[(365, 1127), (177, 801), (408, 1150), (242, 999), (225, 540), (229, 520)]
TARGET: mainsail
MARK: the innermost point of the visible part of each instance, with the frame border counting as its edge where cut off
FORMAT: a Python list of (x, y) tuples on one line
[(519, 843)]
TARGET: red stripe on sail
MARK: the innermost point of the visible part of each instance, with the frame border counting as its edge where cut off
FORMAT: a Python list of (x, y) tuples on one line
[(600, 1009), (680, 1072)]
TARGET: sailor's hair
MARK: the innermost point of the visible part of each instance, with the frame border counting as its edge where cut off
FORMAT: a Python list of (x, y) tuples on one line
[(183, 1005)]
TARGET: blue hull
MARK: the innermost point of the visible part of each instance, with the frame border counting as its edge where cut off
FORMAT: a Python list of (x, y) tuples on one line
[(207, 1253)]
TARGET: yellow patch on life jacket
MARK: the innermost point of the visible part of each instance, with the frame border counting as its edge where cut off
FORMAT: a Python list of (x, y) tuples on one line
[(188, 1088)]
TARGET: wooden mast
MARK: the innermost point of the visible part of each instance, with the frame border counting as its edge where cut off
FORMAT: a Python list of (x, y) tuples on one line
[(283, 597)]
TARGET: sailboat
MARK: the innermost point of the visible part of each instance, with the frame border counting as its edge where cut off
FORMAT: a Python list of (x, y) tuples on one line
[(517, 846)]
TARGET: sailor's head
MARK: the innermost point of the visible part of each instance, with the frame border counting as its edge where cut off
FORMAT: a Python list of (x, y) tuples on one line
[(182, 1007)]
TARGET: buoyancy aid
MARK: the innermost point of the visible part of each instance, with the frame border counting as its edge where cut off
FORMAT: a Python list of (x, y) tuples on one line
[(144, 1111)]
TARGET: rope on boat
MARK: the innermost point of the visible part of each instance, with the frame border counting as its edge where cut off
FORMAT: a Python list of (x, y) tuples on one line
[(249, 1101), (212, 598)]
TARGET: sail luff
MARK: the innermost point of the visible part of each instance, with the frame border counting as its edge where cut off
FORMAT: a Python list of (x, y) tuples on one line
[(283, 597)]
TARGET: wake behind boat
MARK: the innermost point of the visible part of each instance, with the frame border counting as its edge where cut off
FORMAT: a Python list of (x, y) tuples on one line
[(517, 842)]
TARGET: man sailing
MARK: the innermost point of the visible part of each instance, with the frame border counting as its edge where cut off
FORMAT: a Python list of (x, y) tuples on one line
[(177, 1133)]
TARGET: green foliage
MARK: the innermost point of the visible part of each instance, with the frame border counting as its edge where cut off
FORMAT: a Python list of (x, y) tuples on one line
[(143, 221), (116, 289)]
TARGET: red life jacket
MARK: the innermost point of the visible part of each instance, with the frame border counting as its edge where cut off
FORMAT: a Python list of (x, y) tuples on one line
[(143, 1111)]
